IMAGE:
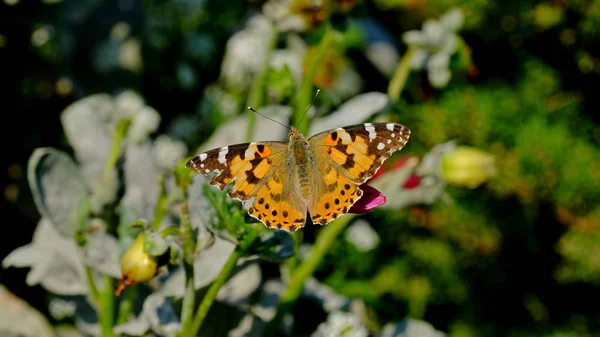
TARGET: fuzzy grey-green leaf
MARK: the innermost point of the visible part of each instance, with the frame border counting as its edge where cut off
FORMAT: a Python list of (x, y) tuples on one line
[(155, 245), (55, 261), (88, 127), (103, 253), (17, 318), (57, 187)]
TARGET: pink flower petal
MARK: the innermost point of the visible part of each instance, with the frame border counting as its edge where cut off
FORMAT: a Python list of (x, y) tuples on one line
[(370, 199)]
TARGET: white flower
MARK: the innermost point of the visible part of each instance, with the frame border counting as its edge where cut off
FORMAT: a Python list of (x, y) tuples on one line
[(410, 328), (341, 324), (168, 151), (362, 236), (434, 45), (279, 12), (145, 121), (246, 52)]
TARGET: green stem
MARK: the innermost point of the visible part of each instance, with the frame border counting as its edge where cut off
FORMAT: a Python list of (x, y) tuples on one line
[(92, 285), (126, 305), (292, 261), (223, 276), (161, 210), (324, 241), (115, 150), (400, 76), (189, 298), (305, 93), (256, 96), (106, 299), (107, 310)]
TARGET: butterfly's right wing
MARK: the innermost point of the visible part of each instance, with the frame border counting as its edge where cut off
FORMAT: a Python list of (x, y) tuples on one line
[(259, 171), (347, 157)]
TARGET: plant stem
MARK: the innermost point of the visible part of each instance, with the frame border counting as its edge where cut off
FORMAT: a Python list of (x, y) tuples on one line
[(292, 261), (223, 276), (324, 241), (106, 299), (115, 150), (189, 298), (304, 95), (400, 76), (160, 211), (107, 309), (92, 285), (127, 303), (189, 247), (256, 96)]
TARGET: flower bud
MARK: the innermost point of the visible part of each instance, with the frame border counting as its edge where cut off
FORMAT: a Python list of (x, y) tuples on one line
[(468, 166), (136, 265)]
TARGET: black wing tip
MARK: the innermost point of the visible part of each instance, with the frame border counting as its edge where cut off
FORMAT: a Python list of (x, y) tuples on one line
[(190, 163)]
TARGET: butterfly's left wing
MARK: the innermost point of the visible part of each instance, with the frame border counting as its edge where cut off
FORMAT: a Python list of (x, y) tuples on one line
[(250, 165), (259, 172), (347, 157)]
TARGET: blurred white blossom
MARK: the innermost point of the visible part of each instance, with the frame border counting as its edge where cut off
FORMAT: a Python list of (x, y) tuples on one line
[(246, 52), (341, 324), (60, 308), (144, 122), (168, 151), (362, 236), (410, 328), (434, 44), (144, 119), (279, 11)]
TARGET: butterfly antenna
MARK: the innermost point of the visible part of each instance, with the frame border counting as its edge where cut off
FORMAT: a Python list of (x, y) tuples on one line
[(269, 118), (311, 103)]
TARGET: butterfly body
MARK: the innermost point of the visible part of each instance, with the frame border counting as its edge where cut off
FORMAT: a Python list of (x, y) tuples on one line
[(319, 175)]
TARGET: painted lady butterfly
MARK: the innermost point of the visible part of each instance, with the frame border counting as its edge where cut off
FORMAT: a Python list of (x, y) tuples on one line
[(320, 174)]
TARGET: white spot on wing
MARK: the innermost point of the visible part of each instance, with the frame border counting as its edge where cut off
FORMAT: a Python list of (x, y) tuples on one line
[(201, 165), (390, 126), (380, 146), (203, 156), (371, 129), (222, 154), (393, 135), (249, 154), (389, 141), (345, 136), (207, 171)]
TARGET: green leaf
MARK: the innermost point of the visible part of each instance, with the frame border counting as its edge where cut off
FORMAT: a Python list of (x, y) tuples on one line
[(57, 187), (273, 245), (155, 244)]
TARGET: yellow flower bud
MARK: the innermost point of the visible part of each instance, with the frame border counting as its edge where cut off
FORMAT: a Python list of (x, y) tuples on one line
[(136, 265), (468, 166)]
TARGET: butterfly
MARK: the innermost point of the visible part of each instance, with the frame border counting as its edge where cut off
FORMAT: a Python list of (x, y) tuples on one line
[(319, 175)]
